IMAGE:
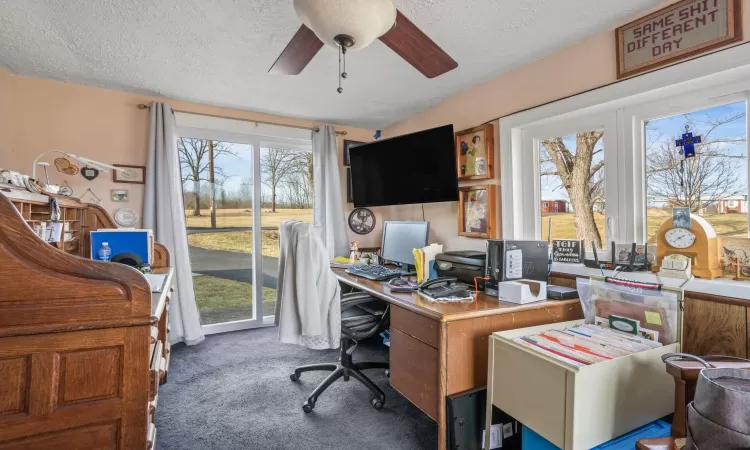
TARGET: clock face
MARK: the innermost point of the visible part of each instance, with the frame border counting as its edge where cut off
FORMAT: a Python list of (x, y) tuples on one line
[(680, 237)]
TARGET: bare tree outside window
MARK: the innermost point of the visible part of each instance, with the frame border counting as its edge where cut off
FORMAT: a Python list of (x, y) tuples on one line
[(197, 157), (286, 167), (713, 184), (578, 173)]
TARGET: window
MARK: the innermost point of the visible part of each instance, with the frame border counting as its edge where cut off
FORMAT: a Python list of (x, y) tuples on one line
[(713, 184), (635, 171), (218, 197), (240, 181), (571, 170)]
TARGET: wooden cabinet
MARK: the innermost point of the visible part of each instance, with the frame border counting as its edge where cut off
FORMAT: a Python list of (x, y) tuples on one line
[(80, 360)]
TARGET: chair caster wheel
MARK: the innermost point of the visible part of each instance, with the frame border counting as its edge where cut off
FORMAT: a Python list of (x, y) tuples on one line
[(377, 404), (307, 407), (294, 377)]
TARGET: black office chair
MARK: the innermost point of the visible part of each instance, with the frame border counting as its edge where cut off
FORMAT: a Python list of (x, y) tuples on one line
[(362, 316)]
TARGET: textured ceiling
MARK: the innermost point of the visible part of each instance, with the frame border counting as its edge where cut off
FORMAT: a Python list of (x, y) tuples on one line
[(218, 51)]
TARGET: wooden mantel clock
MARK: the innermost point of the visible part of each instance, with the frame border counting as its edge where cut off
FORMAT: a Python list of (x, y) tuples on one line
[(699, 243)]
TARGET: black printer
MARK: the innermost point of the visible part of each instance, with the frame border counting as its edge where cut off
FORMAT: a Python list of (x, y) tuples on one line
[(463, 265)]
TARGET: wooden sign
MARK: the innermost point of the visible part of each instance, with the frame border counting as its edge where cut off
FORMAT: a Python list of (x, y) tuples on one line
[(567, 251), (677, 32)]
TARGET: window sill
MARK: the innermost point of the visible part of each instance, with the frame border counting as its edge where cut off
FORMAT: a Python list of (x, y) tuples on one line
[(721, 287)]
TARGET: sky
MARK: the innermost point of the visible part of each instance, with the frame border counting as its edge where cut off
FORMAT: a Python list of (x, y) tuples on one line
[(669, 128), (236, 168)]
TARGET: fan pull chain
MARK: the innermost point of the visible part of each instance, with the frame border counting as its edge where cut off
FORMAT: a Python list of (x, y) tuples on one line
[(342, 68)]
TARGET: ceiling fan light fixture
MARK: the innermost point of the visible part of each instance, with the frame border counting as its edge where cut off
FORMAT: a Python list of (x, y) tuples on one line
[(361, 20)]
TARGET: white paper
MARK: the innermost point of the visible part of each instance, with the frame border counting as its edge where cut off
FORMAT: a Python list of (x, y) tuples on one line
[(507, 430), (430, 252), (156, 281), (513, 264), (496, 440)]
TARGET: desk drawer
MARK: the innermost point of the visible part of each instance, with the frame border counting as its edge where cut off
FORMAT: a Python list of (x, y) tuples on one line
[(415, 325), (414, 371)]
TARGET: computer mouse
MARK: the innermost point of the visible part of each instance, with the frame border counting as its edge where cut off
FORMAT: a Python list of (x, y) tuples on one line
[(398, 282)]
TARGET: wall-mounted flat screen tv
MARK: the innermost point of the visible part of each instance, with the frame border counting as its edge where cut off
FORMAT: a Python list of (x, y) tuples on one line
[(414, 168)]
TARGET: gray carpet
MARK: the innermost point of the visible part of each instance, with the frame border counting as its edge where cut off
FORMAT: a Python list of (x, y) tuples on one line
[(233, 392)]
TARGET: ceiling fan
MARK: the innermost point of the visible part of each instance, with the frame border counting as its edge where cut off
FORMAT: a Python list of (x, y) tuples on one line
[(355, 24)]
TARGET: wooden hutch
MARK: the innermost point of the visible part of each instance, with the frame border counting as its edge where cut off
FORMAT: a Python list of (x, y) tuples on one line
[(83, 344)]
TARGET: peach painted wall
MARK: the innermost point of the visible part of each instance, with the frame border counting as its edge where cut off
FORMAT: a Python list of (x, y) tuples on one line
[(38, 115), (575, 69)]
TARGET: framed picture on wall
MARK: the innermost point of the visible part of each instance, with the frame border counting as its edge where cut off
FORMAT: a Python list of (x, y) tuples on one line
[(475, 151), (130, 174), (119, 195), (476, 211), (347, 146)]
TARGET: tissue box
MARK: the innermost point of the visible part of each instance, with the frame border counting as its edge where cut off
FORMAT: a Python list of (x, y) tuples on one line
[(522, 291)]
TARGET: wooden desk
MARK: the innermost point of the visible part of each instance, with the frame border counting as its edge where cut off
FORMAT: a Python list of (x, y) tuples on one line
[(83, 344), (440, 349)]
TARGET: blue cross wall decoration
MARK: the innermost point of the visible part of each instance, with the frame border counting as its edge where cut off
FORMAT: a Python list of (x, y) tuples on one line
[(688, 142)]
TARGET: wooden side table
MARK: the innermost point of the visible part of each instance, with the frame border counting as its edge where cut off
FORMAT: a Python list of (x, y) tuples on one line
[(685, 375)]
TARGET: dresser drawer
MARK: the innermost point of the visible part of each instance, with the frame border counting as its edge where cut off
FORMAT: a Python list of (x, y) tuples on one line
[(414, 371), (416, 326)]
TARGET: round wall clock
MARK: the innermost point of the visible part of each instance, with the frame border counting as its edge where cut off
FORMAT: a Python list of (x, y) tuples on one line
[(126, 217), (361, 221)]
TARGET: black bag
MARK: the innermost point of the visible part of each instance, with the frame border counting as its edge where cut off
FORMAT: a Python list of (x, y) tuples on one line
[(719, 416)]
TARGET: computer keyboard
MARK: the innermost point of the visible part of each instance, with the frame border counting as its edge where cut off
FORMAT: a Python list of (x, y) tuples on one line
[(373, 272)]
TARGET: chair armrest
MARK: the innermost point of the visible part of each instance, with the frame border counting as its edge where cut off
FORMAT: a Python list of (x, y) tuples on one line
[(354, 299)]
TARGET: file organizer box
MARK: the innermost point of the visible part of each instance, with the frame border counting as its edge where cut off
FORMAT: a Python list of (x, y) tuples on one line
[(577, 408)]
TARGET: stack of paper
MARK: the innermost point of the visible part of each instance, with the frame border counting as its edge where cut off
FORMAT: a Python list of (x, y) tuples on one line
[(423, 259), (583, 345), (341, 262)]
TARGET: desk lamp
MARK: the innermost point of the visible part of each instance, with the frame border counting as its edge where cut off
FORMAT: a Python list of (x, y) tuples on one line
[(102, 167)]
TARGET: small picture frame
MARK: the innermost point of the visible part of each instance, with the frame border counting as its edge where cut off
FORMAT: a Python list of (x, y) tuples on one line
[(119, 195), (681, 217), (348, 145), (131, 174), (476, 211), (734, 258), (475, 152)]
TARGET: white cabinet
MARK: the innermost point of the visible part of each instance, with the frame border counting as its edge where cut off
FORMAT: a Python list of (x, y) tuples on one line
[(577, 408)]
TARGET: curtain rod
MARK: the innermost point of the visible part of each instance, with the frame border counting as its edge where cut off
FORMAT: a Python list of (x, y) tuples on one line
[(316, 129)]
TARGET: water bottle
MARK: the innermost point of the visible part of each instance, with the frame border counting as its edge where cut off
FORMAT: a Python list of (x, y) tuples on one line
[(105, 252)]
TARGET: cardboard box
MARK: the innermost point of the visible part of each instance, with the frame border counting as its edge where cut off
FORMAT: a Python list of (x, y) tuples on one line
[(522, 291)]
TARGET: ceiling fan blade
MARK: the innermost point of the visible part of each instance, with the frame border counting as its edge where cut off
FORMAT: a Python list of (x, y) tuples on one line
[(410, 43), (298, 53)]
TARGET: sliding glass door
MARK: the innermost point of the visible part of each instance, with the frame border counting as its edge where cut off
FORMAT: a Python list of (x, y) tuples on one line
[(236, 193)]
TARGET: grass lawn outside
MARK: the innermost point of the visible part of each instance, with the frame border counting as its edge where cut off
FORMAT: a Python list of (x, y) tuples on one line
[(236, 241), (243, 218), (220, 300), (563, 224)]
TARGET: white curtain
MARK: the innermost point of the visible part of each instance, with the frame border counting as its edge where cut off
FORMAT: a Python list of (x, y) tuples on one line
[(328, 205), (164, 212)]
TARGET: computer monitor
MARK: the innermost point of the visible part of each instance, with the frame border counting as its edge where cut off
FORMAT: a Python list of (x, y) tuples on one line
[(400, 238)]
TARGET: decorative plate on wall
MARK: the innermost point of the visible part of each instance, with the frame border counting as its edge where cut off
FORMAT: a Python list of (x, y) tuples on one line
[(362, 221), (126, 217)]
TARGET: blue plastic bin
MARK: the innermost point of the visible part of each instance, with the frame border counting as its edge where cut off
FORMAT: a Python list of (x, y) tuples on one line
[(532, 441)]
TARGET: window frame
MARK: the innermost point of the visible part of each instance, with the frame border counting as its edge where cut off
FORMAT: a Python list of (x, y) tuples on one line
[(697, 101), (531, 140), (257, 136), (716, 77)]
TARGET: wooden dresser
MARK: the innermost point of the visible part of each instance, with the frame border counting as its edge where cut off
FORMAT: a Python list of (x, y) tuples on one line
[(83, 344)]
